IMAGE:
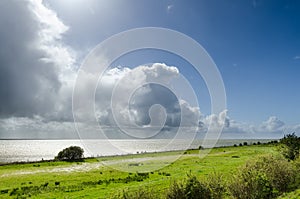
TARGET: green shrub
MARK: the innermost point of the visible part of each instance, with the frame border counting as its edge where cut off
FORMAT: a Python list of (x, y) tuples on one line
[(176, 191), (250, 184), (201, 147), (192, 188), (196, 189), (71, 153), (290, 146), (141, 193), (265, 177), (280, 172), (215, 183), (296, 163)]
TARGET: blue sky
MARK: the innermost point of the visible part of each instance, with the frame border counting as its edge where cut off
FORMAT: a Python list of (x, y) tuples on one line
[(255, 45)]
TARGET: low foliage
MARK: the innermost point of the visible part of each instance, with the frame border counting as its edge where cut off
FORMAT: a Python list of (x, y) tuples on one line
[(296, 163), (216, 185), (190, 189), (266, 177), (141, 193), (290, 146), (71, 153)]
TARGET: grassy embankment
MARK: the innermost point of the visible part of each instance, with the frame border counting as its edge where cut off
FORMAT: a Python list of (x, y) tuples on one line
[(90, 179)]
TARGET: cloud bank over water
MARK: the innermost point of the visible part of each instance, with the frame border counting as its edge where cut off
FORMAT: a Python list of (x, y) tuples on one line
[(41, 126)]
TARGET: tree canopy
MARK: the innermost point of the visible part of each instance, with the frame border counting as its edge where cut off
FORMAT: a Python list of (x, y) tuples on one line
[(71, 153)]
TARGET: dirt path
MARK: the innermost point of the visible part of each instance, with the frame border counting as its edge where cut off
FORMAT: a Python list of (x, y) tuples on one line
[(90, 166), (69, 168)]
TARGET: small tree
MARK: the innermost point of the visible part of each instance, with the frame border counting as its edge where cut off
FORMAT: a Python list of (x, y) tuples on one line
[(290, 146), (71, 153)]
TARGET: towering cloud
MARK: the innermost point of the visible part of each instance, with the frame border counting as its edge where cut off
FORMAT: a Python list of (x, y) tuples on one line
[(32, 59), (145, 95)]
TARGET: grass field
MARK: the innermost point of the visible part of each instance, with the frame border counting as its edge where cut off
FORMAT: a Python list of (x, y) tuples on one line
[(98, 178)]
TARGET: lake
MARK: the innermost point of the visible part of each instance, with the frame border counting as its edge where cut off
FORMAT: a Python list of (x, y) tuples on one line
[(34, 150)]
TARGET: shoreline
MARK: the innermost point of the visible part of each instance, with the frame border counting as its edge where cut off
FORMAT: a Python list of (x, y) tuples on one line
[(131, 154)]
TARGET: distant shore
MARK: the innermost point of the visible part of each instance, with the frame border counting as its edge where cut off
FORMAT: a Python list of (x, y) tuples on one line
[(242, 143)]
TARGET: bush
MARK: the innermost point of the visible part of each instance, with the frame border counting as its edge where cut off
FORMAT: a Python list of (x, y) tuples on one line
[(141, 193), (196, 189), (273, 142), (251, 184), (215, 183), (266, 177), (71, 153), (176, 190), (201, 147), (280, 172), (296, 163), (290, 145), (192, 188)]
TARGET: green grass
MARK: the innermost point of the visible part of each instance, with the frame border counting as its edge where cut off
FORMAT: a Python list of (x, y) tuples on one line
[(37, 180), (292, 195)]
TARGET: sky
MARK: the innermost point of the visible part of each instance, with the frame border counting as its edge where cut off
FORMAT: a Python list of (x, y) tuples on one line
[(255, 45)]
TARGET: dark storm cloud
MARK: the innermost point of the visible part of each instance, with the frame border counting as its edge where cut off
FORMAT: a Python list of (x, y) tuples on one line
[(142, 102), (35, 65), (28, 85)]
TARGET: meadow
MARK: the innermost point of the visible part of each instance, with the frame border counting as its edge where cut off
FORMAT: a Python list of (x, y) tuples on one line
[(99, 178)]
